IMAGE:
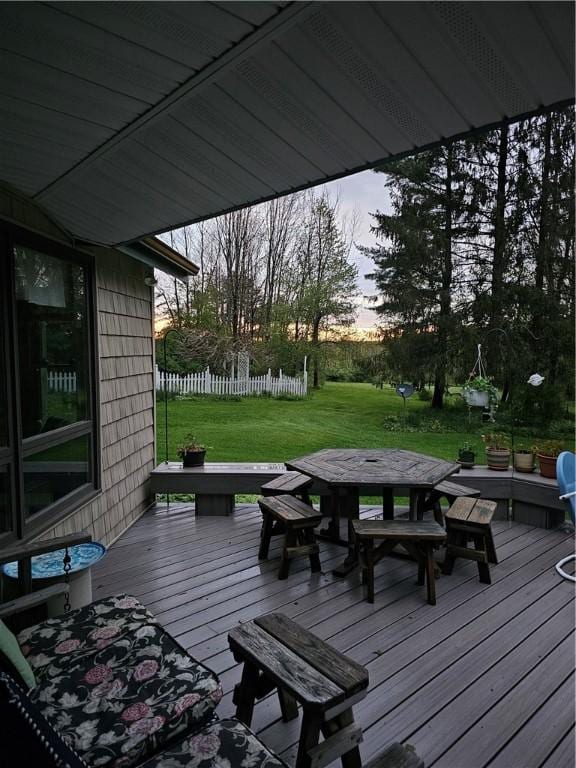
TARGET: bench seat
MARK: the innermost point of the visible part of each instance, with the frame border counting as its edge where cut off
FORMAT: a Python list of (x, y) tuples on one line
[(116, 690), (293, 483)]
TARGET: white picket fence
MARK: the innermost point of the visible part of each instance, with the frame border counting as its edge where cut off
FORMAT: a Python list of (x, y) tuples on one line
[(206, 383), (61, 381)]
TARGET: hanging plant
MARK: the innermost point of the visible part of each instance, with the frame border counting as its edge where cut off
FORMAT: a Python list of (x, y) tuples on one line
[(480, 391)]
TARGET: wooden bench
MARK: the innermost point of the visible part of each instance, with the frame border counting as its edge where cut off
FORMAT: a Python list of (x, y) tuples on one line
[(418, 538), (292, 483), (469, 519), (279, 654), (449, 491), (215, 484), (296, 520), (534, 498)]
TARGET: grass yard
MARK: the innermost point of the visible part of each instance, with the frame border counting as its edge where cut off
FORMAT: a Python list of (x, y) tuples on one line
[(337, 416)]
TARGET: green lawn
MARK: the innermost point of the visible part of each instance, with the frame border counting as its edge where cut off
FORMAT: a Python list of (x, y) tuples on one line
[(337, 416)]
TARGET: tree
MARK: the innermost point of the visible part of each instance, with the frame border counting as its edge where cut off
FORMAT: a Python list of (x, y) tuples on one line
[(481, 237), (326, 277), (417, 273)]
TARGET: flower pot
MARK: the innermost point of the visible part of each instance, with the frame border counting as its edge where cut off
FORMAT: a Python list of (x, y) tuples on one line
[(498, 458), (524, 461), (193, 458), (476, 397), (466, 458), (547, 466)]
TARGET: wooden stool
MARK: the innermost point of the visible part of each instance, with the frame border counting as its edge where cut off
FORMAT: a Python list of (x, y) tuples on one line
[(278, 653), (292, 483), (449, 491), (418, 538), (297, 521), (469, 519)]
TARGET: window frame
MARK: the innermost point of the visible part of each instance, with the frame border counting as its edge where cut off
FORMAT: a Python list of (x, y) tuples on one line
[(25, 527)]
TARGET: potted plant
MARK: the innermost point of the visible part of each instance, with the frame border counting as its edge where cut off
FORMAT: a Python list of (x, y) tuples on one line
[(192, 452), (466, 456), (497, 451), (524, 458), (548, 451), (480, 392)]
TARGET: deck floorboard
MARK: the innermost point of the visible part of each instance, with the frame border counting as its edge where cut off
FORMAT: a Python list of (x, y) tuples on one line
[(484, 679)]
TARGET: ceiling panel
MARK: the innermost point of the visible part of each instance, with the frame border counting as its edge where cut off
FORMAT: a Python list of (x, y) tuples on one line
[(126, 118)]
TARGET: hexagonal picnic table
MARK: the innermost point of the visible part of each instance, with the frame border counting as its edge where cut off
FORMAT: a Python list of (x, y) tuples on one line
[(346, 471)]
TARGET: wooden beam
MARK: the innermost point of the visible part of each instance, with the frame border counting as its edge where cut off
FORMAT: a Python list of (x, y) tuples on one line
[(23, 551), (32, 600)]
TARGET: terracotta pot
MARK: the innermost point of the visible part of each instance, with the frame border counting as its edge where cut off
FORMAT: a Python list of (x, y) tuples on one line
[(498, 459), (193, 459), (547, 466), (524, 461)]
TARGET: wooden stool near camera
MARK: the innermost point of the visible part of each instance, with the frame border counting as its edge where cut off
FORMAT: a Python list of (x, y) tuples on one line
[(279, 654)]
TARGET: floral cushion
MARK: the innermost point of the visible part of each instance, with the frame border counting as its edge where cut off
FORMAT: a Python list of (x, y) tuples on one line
[(82, 631), (223, 744), (124, 701)]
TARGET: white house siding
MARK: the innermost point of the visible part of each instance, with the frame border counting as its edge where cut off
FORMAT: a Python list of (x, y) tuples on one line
[(126, 350), (126, 376)]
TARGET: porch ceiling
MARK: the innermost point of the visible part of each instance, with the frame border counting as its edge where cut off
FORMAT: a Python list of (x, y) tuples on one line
[(125, 119)]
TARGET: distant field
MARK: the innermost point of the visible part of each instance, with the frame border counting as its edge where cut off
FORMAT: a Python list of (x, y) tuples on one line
[(337, 416)]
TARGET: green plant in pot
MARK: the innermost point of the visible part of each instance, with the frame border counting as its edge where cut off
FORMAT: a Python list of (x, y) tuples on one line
[(547, 452), (524, 458), (497, 451), (192, 452), (466, 456), (480, 392)]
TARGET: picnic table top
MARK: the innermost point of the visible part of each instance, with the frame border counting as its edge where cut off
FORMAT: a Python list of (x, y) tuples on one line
[(387, 467)]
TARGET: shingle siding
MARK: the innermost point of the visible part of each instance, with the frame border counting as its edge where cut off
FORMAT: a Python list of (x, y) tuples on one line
[(125, 308)]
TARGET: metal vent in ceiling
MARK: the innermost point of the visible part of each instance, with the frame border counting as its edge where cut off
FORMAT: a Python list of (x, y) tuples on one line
[(347, 57), (477, 49)]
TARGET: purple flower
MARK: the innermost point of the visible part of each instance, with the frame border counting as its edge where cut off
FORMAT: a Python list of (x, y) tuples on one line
[(204, 745), (66, 646), (186, 702), (145, 670), (98, 674), (146, 726), (136, 711)]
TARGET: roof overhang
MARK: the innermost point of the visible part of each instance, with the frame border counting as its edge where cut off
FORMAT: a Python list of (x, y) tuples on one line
[(125, 119), (159, 255)]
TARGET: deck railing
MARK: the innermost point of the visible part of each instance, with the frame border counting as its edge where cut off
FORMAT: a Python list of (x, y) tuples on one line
[(207, 383)]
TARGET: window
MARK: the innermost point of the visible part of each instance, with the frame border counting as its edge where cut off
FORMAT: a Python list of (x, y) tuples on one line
[(47, 432), (52, 332)]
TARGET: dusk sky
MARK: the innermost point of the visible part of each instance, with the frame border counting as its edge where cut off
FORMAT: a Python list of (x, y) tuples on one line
[(364, 193)]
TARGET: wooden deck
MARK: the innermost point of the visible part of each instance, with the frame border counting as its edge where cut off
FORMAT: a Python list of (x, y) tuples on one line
[(485, 678)]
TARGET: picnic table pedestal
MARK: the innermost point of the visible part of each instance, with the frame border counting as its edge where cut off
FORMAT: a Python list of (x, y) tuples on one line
[(279, 654)]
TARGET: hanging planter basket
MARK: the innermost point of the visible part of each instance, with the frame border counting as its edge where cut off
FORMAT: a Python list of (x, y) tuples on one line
[(479, 392), (476, 398)]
